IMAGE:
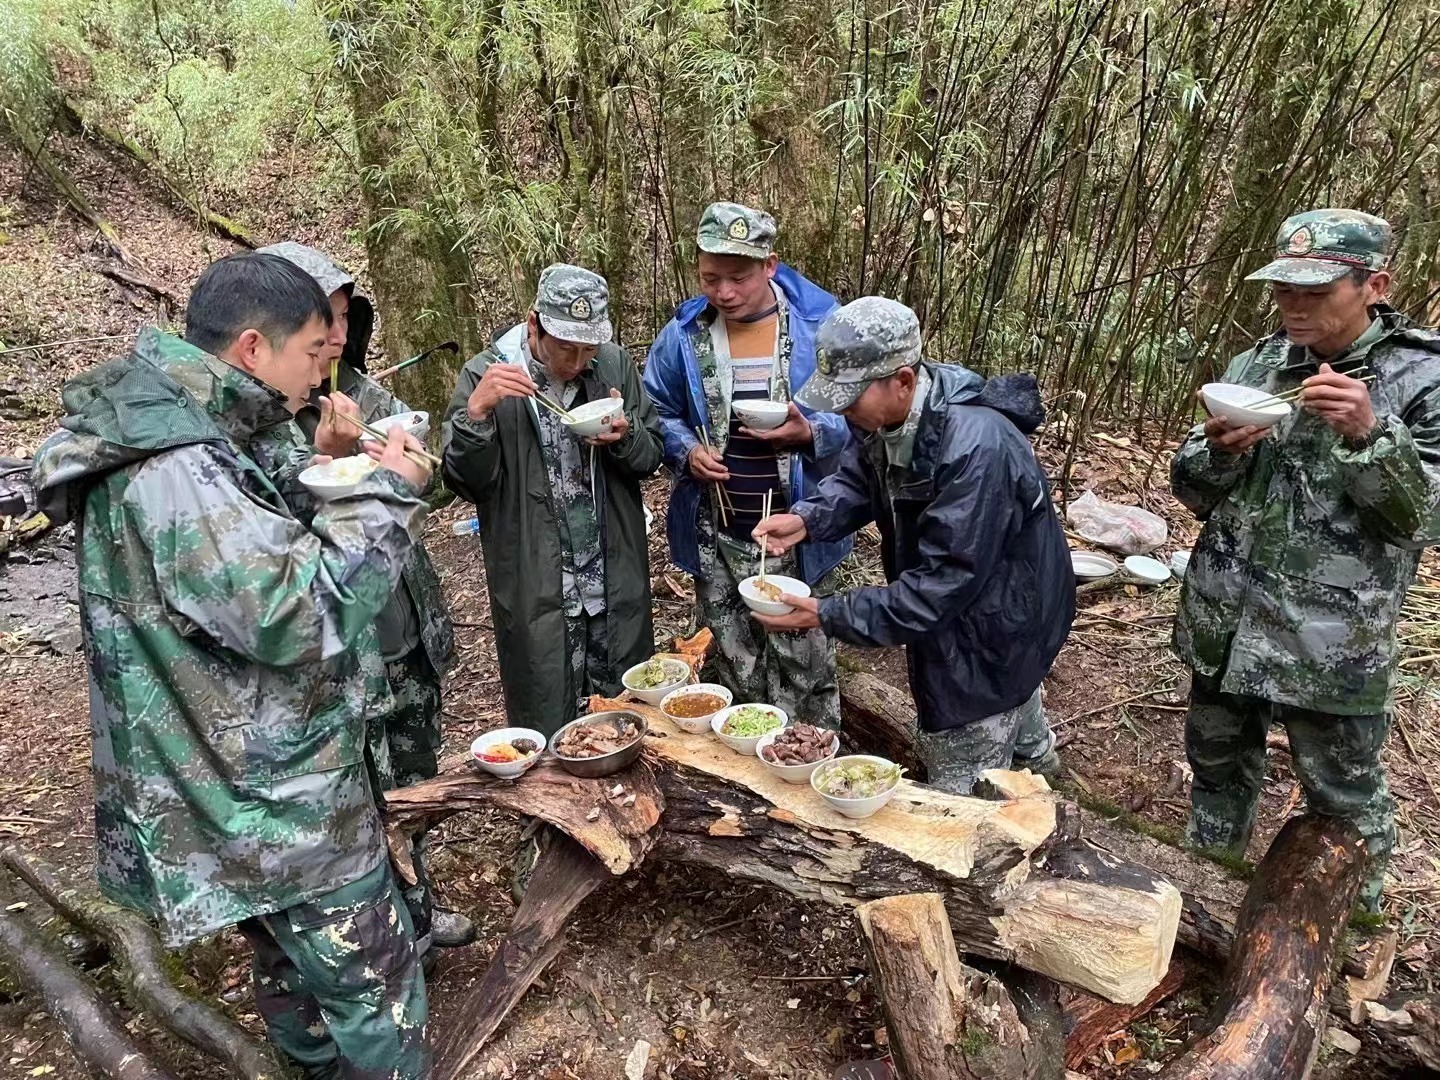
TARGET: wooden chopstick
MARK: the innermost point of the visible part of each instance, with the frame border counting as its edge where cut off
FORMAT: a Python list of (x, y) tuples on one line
[(1299, 391), (419, 457), (722, 497), (558, 409), (763, 515)]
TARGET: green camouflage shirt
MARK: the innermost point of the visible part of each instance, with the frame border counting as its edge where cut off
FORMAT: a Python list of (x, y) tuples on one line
[(1295, 585), (224, 639)]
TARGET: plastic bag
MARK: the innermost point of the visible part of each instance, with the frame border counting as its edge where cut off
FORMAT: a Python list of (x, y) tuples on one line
[(1126, 529)]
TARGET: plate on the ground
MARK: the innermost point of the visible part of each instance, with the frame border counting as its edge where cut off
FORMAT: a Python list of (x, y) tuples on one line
[(1092, 566), (1150, 571)]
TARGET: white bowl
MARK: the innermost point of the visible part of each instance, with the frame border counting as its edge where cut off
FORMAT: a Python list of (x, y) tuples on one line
[(854, 808), (1179, 563), (1091, 566), (696, 725), (792, 774), (654, 695), (1150, 571), (756, 602), (745, 744), (507, 770), (413, 423), (594, 417), (1233, 402), (338, 478), (761, 415)]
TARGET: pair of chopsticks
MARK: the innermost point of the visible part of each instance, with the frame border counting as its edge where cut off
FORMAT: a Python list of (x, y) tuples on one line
[(769, 495), (419, 457), (555, 407), (722, 497), (1364, 375)]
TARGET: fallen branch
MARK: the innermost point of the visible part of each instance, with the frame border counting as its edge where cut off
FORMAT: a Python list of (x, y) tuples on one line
[(144, 960), (94, 1031)]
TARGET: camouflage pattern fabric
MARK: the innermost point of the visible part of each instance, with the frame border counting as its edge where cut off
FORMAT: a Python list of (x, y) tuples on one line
[(794, 671), (589, 656), (224, 641), (728, 228), (1019, 738), (574, 304), (339, 985), (897, 447), (568, 462), (1321, 246), (412, 736), (1295, 585), (328, 274), (1335, 758), (868, 339)]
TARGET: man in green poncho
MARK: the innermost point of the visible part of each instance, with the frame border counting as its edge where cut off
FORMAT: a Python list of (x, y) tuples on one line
[(228, 646)]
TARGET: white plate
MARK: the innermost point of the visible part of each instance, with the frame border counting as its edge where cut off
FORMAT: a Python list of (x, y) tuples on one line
[(339, 478), (745, 744), (413, 423), (1092, 566), (696, 725), (507, 770), (756, 602), (1150, 571), (1232, 402), (761, 415), (594, 417)]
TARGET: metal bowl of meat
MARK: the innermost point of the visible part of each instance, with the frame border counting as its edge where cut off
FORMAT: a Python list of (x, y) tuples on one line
[(599, 744)]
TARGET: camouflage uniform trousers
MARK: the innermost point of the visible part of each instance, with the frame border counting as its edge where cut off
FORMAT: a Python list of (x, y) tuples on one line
[(1335, 758), (339, 985), (794, 671), (1017, 738), (412, 735), (589, 653)]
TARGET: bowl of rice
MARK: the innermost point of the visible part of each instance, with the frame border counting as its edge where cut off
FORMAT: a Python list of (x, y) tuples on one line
[(338, 478)]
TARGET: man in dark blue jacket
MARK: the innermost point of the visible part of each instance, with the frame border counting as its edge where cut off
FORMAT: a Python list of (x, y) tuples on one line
[(980, 589), (749, 338)]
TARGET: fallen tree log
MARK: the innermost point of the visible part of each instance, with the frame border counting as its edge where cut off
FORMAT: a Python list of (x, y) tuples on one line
[(1414, 1028), (92, 1028), (875, 714), (1273, 1004), (143, 959), (944, 1020), (1090, 1020)]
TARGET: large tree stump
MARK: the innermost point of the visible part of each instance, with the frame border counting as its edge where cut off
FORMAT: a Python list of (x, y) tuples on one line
[(945, 1021), (1273, 1006)]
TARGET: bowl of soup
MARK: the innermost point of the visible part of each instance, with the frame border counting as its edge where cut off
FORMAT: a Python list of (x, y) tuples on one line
[(691, 707)]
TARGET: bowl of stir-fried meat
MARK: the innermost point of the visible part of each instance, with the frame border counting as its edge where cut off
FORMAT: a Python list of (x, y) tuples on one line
[(599, 744), (764, 596)]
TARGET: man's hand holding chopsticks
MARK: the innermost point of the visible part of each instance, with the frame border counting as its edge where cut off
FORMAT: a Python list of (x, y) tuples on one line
[(336, 438), (391, 455), (499, 382)]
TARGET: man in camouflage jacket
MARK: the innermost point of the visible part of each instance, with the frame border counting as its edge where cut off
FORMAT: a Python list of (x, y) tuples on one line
[(1313, 531), (227, 645), (417, 637)]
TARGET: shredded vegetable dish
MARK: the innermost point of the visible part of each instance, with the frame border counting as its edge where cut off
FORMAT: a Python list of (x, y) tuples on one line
[(858, 780), (748, 721)]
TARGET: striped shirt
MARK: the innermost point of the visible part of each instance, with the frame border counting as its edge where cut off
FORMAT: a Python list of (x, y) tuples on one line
[(751, 461)]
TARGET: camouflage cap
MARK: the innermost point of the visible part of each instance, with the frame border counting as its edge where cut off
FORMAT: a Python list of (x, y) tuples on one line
[(1321, 246), (727, 228), (574, 304), (328, 274), (867, 339)]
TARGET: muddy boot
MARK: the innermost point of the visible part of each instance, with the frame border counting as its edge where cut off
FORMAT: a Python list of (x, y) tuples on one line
[(878, 1069), (450, 929), (1046, 765)]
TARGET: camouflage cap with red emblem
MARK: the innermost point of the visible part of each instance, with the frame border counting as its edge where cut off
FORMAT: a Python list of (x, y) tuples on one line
[(1321, 246)]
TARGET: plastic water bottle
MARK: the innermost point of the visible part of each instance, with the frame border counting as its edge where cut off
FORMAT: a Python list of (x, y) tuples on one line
[(468, 527)]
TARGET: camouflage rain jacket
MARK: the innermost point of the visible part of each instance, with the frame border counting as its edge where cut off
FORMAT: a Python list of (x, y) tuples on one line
[(226, 642), (1309, 545)]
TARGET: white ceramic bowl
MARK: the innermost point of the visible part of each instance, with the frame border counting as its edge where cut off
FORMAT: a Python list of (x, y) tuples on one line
[(413, 423), (1148, 570), (745, 744), (1092, 566), (756, 602), (696, 725), (854, 808), (1179, 563), (792, 774), (338, 478), (1233, 403), (507, 770), (654, 695), (594, 417), (761, 415)]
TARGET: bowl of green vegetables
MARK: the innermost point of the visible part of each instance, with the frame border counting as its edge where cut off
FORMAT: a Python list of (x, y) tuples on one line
[(741, 726), (857, 785), (655, 678)]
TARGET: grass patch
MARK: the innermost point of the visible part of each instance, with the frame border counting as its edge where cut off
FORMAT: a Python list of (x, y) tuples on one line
[(1367, 921), (975, 1042)]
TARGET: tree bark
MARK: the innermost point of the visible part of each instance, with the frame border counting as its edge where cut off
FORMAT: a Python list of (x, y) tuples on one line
[(944, 1021), (134, 942), (1090, 1019), (1273, 1007), (877, 718), (94, 1031)]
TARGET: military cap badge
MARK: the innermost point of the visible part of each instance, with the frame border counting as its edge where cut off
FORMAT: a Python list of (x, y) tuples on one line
[(739, 229), (1301, 242), (822, 362), (580, 308)]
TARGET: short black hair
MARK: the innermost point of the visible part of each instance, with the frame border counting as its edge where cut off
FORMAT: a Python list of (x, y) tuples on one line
[(250, 291), (1359, 274)]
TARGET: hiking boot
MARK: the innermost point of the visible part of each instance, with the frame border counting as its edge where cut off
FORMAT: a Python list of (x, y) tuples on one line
[(876, 1069), (450, 929), (1046, 765)]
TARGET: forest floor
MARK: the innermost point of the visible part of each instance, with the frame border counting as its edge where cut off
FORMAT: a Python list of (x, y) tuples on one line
[(723, 979)]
